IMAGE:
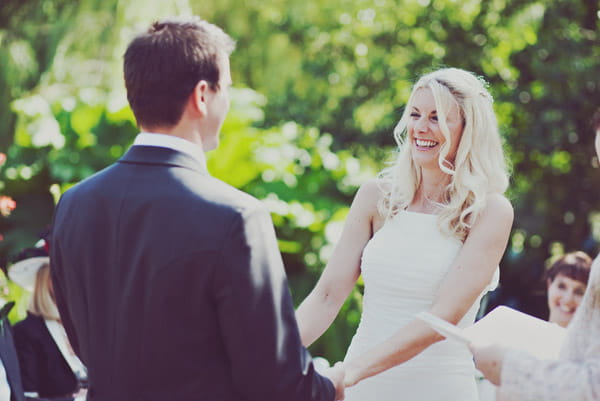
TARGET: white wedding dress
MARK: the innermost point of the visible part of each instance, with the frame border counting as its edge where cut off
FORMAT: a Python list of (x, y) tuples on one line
[(402, 268)]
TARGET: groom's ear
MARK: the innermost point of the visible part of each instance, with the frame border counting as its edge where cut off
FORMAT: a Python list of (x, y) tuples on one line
[(198, 98)]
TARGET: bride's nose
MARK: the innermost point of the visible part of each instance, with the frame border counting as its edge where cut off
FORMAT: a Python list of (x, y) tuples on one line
[(421, 125)]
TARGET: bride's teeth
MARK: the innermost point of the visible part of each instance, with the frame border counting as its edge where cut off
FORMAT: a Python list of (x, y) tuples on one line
[(425, 143)]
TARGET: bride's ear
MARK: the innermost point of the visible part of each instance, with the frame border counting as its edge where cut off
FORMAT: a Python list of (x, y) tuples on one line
[(199, 97)]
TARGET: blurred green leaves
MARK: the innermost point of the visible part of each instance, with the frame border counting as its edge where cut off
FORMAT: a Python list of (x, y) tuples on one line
[(319, 86)]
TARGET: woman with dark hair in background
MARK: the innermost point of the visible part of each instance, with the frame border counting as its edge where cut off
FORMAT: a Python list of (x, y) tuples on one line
[(567, 280), (575, 376)]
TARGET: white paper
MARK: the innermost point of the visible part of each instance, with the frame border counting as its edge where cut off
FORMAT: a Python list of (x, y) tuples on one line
[(446, 329), (508, 327)]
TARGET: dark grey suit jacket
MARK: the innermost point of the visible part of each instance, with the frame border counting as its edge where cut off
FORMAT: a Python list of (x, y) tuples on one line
[(171, 287)]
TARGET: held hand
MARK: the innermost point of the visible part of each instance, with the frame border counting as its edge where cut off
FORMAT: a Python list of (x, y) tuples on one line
[(489, 360), (336, 375), (351, 376)]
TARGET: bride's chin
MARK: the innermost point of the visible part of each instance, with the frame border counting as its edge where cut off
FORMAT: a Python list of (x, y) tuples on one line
[(426, 162)]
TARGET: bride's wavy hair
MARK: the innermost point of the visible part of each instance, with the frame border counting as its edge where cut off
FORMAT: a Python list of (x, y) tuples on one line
[(479, 167)]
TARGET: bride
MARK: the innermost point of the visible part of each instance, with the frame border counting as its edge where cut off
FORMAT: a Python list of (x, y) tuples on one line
[(428, 234)]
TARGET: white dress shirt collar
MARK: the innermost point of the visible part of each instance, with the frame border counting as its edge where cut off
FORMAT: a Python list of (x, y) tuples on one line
[(171, 142)]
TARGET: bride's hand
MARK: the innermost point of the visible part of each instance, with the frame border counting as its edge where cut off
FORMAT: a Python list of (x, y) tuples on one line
[(336, 374), (351, 377)]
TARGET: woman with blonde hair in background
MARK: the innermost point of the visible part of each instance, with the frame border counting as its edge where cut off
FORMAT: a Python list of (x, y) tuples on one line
[(49, 368), (426, 235)]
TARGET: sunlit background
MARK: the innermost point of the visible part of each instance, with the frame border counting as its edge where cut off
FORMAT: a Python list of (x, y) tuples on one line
[(318, 87)]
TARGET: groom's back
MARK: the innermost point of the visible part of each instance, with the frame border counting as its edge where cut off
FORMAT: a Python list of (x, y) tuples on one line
[(137, 252), (170, 283)]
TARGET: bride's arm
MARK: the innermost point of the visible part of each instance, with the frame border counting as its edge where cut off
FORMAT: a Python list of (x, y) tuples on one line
[(470, 273), (321, 306)]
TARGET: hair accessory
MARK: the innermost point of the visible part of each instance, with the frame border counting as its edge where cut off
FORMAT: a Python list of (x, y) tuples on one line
[(27, 263)]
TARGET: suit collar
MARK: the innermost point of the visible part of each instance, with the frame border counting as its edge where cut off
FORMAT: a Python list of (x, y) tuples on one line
[(171, 142), (154, 155)]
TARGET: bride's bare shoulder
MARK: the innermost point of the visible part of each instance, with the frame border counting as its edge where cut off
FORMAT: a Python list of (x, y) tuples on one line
[(368, 199), (372, 191)]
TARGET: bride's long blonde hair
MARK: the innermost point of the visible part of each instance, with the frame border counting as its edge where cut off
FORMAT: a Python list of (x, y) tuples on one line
[(479, 167)]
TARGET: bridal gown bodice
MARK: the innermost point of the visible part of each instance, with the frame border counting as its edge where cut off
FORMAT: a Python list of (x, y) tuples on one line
[(402, 267)]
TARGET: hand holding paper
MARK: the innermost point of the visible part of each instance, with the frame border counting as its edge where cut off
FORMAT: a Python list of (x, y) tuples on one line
[(506, 327), (489, 360)]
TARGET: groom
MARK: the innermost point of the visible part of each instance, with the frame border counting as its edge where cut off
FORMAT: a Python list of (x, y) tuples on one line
[(169, 282)]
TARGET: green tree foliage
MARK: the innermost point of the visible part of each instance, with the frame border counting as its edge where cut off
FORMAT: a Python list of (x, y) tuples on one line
[(347, 67), (555, 182), (328, 82)]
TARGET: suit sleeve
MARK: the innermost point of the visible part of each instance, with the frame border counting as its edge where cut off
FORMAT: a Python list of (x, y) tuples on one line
[(257, 319), (56, 274)]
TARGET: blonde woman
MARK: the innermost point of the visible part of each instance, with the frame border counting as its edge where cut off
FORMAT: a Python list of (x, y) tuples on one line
[(427, 235), (49, 367)]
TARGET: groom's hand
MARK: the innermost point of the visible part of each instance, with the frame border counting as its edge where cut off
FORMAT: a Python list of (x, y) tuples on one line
[(336, 375)]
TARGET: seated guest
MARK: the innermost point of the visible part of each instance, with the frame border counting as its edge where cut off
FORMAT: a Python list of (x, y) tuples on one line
[(567, 280), (49, 367), (11, 388)]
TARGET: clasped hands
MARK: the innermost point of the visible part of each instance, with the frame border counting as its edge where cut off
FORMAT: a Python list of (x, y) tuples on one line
[(341, 377), (488, 359)]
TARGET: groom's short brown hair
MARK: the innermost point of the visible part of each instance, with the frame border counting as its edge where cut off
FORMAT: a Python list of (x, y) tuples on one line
[(163, 65)]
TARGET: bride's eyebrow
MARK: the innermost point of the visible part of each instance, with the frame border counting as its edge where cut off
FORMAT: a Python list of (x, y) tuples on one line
[(417, 109)]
